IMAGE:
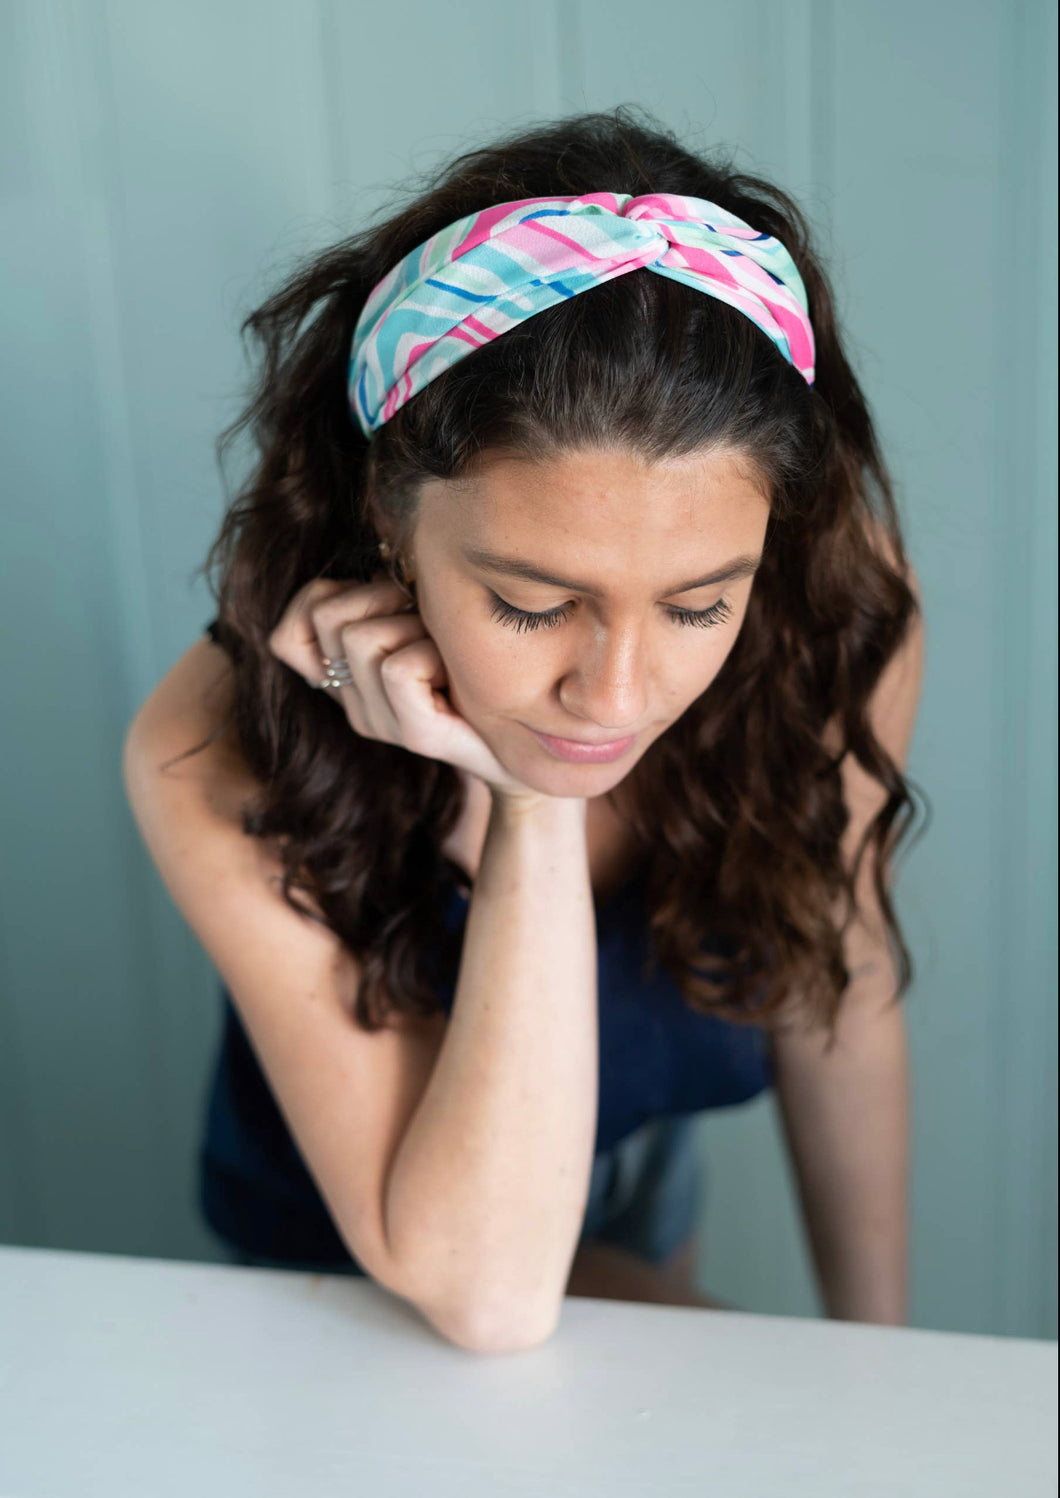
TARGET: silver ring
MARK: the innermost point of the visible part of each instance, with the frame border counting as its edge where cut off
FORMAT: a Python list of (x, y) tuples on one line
[(337, 674)]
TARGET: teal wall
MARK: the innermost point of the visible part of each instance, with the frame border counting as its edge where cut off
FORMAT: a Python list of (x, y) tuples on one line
[(160, 167)]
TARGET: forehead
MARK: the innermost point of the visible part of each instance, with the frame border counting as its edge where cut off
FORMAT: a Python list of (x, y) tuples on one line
[(594, 494)]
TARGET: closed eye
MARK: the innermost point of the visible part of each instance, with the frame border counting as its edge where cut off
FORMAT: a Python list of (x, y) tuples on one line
[(523, 620)]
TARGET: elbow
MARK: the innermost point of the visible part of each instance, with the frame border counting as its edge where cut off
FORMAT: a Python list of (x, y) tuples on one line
[(474, 1316), (474, 1324), (485, 1331), (469, 1310)]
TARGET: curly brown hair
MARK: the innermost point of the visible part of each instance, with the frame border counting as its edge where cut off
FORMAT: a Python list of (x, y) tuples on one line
[(739, 804)]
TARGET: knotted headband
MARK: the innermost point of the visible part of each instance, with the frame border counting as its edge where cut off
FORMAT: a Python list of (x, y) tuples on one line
[(484, 274)]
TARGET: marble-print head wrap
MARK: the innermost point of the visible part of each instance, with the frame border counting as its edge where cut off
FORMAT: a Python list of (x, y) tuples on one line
[(471, 282)]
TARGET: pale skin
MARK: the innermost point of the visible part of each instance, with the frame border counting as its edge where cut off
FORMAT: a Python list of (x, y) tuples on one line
[(552, 835), (619, 662)]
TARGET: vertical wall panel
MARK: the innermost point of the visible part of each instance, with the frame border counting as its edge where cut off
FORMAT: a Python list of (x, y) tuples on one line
[(925, 212), (89, 1127), (900, 194), (1024, 1206)]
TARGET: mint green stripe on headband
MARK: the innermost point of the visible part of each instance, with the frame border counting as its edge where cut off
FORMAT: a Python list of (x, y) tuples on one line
[(474, 280)]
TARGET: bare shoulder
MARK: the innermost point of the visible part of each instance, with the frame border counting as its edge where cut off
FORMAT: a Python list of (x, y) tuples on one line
[(892, 712), (188, 785), (190, 709), (895, 701), (884, 547)]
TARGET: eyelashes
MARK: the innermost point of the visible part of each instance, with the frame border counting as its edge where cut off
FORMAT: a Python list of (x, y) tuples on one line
[(523, 621)]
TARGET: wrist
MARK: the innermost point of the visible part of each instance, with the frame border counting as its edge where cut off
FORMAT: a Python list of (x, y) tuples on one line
[(526, 806)]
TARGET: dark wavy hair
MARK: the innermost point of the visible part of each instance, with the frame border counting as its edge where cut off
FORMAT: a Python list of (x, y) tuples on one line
[(739, 804)]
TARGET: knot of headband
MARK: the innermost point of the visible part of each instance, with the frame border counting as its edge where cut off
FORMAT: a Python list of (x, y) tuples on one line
[(472, 281)]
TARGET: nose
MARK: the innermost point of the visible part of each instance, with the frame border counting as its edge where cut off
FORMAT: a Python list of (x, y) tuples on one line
[(606, 685)]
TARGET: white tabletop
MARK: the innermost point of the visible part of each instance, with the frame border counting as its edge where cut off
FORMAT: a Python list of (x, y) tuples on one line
[(144, 1378)]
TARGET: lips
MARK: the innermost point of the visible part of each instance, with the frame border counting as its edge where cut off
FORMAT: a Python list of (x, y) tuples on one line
[(588, 743), (581, 751)]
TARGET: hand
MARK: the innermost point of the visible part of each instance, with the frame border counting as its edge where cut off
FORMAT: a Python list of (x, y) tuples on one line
[(399, 689)]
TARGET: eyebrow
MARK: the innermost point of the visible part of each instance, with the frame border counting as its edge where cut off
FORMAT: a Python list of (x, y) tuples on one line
[(742, 566)]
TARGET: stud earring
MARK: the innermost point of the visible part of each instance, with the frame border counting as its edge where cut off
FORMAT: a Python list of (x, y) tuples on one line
[(386, 553)]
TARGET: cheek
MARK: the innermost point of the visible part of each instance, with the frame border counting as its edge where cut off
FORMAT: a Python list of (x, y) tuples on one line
[(712, 664), (483, 669), (694, 675)]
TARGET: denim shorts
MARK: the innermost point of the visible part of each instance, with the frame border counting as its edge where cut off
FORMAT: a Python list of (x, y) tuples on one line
[(645, 1195)]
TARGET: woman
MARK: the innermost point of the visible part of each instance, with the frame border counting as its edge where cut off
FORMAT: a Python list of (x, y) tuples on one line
[(550, 772)]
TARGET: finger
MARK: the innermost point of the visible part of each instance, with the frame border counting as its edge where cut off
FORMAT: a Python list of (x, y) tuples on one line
[(309, 629), (295, 632), (325, 603), (427, 723), (366, 645)]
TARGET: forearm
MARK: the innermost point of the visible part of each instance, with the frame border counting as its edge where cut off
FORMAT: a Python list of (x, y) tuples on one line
[(487, 1191), (846, 1117)]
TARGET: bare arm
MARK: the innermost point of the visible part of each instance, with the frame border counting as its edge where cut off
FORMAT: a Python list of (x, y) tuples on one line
[(487, 1191), (846, 1122), (467, 1164)]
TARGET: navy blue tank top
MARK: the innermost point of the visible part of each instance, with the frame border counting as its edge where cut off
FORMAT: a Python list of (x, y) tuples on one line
[(656, 1056)]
